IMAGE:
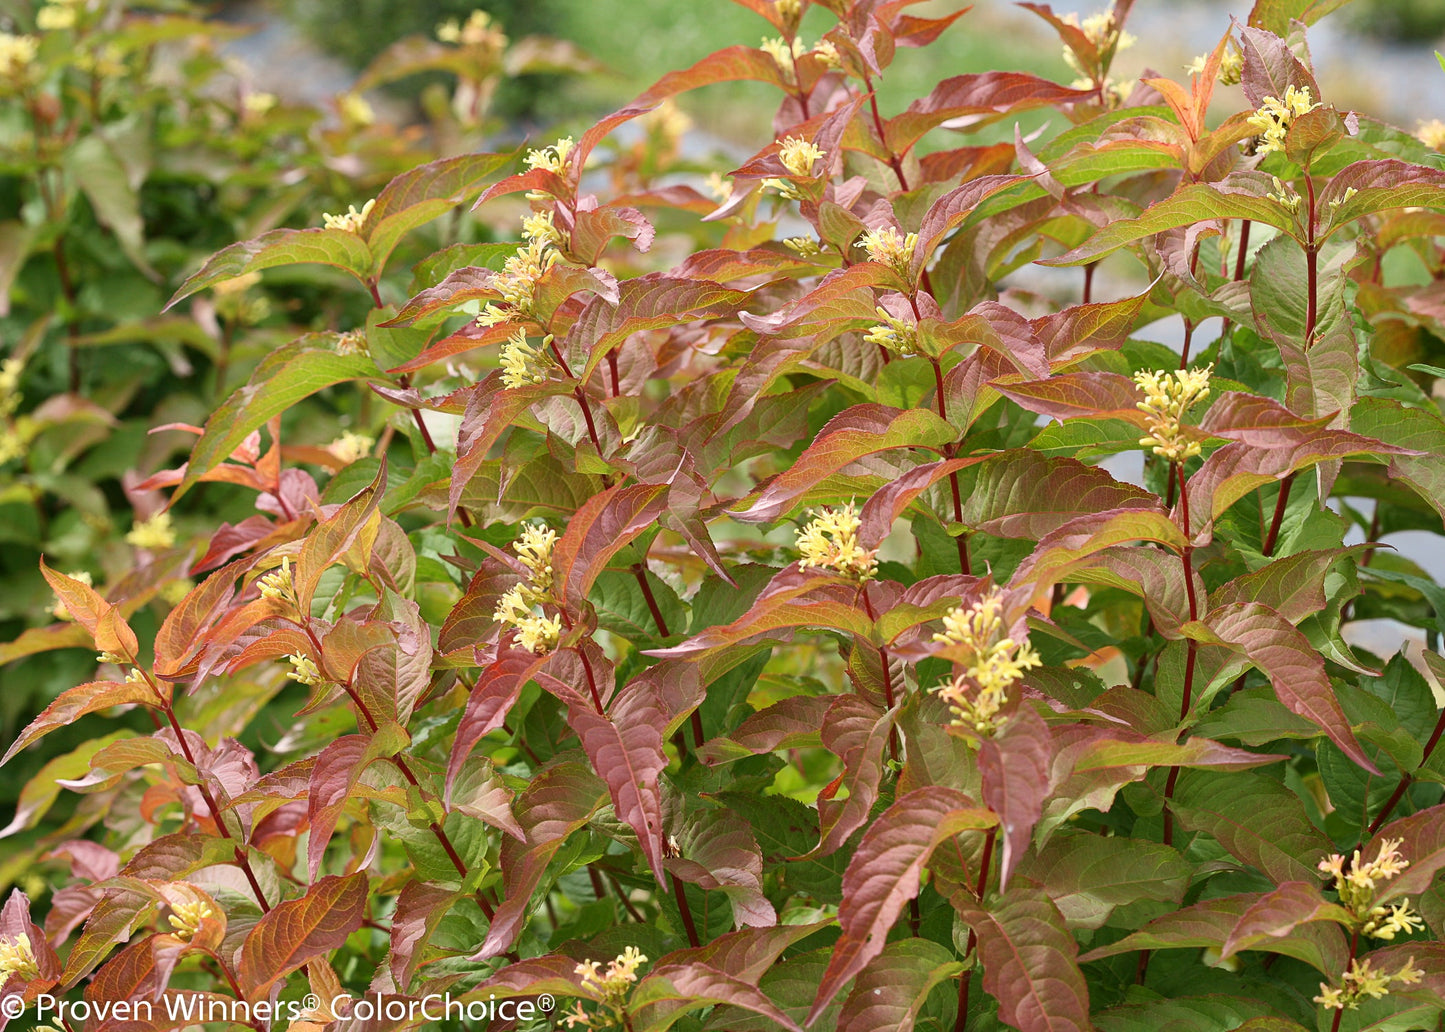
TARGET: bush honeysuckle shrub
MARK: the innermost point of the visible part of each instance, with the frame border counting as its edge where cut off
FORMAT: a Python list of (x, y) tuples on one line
[(746, 587)]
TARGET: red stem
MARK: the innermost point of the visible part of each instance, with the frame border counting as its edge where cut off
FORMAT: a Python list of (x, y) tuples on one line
[(961, 1021), (682, 905), (1399, 792), (1279, 506)]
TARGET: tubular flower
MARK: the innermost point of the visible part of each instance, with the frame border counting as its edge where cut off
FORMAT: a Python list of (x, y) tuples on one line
[(519, 604), (783, 53), (304, 670), (895, 334), (1356, 884), (478, 31), (829, 541), (352, 220), (1167, 397), (797, 156), (1363, 980), (1102, 30), (1275, 116), (278, 585), (355, 110), (887, 247), (523, 364), (539, 226), (609, 988), (517, 282), (1432, 134), (186, 918), (1284, 195), (803, 247), (53, 17), (993, 662), (1231, 66), (153, 533), (18, 958), (554, 158)]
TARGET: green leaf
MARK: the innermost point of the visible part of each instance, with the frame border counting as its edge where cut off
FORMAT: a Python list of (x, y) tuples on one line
[(1255, 818), (102, 178), (339, 248), (424, 193), (891, 990), (284, 377), (1088, 876)]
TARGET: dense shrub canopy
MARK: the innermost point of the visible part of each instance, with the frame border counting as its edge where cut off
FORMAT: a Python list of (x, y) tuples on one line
[(647, 593)]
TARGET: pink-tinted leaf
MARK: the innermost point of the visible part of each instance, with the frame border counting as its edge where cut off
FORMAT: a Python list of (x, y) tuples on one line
[(1023, 494), (1088, 876), (424, 193), (492, 409), (1015, 769), (884, 875), (697, 985), (849, 436), (301, 929), (478, 792), (496, 690), (75, 703), (1279, 913), (1270, 67), (650, 302), (1085, 535), (1422, 843), (980, 98), (1381, 186), (1094, 394), (596, 227), (347, 535), (93, 612), (1029, 960), (335, 247), (857, 733), (1293, 586), (337, 770), (893, 988), (719, 852), (598, 531), (1290, 662), (419, 909), (1081, 330), (953, 208), (790, 724)]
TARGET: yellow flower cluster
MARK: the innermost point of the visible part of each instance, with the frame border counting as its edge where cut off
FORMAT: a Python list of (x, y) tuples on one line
[(1432, 134), (888, 247), (478, 31), (539, 225), (16, 53), (355, 110), (523, 364), (18, 958), (352, 220), (349, 447), (536, 632), (1275, 116), (829, 541), (304, 670), (798, 156), (258, 104), (57, 15), (186, 918), (803, 247), (785, 55), (609, 987), (992, 663), (1102, 30), (1284, 195), (1231, 66), (517, 282), (552, 159), (153, 533), (1167, 397), (1363, 980), (895, 334), (278, 585)]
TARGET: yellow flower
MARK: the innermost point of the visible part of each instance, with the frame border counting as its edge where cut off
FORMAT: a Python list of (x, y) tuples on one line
[(258, 103), (172, 591), (153, 533), (887, 247), (613, 984), (553, 158), (1102, 30), (829, 541), (349, 447), (10, 370), (517, 282), (1363, 980), (534, 549), (539, 225), (352, 221), (186, 918), (16, 53), (523, 364), (355, 110), (304, 670), (278, 585), (58, 610), (1167, 397), (798, 155), (477, 31), (1432, 134), (18, 958), (719, 187), (992, 662), (1387, 922), (803, 247), (1284, 195), (53, 17), (895, 334), (1231, 67), (783, 53), (1357, 884), (1275, 116), (827, 53)]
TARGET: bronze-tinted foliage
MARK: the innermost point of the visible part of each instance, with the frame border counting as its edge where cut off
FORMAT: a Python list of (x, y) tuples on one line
[(1005, 737)]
